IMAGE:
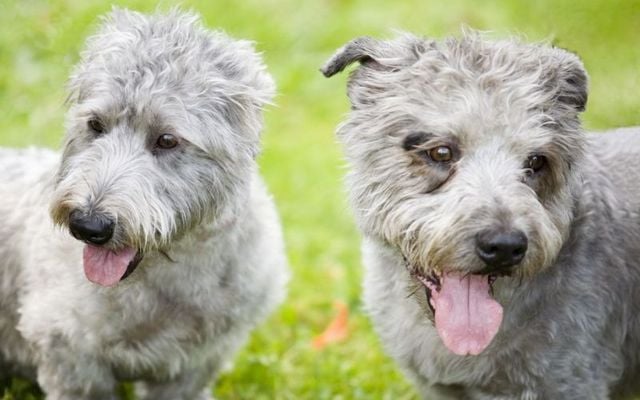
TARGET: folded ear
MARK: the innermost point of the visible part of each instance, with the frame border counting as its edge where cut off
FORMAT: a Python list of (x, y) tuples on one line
[(363, 49), (382, 55), (572, 81), (377, 59), (567, 80)]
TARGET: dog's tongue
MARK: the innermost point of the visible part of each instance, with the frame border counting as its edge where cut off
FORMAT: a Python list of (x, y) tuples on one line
[(466, 316), (106, 267)]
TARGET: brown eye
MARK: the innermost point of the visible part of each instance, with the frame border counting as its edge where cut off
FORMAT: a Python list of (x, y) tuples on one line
[(441, 154), (96, 125), (536, 162), (167, 141)]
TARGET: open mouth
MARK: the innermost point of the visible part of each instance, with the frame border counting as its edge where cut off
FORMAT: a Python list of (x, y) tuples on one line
[(107, 267), (466, 315), (132, 265), (432, 283)]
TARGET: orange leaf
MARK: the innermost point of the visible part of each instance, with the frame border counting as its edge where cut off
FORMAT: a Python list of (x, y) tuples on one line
[(336, 331)]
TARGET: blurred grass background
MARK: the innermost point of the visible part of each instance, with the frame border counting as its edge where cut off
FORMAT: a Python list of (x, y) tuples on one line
[(40, 41)]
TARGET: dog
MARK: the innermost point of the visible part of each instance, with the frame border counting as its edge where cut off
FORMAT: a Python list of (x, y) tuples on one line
[(150, 248), (501, 241)]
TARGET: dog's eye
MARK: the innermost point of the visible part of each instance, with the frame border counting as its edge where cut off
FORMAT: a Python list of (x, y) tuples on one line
[(441, 154), (536, 162), (167, 141), (96, 125)]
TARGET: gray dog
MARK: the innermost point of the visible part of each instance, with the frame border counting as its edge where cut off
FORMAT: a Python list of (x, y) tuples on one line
[(179, 251), (502, 243)]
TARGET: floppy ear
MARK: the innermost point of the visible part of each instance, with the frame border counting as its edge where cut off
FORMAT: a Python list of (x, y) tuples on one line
[(569, 80), (574, 85), (363, 49), (378, 59), (383, 55)]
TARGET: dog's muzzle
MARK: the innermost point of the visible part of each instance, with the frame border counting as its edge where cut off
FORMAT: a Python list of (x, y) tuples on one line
[(501, 250), (91, 228), (102, 264)]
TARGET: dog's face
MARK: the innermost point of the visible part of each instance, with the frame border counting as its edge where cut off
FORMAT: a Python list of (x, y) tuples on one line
[(463, 157), (162, 132)]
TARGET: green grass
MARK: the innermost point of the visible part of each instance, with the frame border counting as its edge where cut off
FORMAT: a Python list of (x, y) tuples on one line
[(39, 42)]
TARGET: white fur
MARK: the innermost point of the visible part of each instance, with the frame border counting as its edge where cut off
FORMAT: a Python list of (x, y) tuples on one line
[(214, 264)]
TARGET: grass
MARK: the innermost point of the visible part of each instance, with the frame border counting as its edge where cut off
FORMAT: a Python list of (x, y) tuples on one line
[(39, 42)]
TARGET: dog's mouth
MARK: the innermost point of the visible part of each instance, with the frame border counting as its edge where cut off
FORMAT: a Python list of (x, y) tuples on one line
[(107, 267), (466, 315)]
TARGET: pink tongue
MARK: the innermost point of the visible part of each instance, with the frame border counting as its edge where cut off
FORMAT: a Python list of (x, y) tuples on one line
[(467, 317), (106, 267)]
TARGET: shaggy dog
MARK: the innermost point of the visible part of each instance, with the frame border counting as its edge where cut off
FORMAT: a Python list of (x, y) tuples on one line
[(179, 252), (501, 242)]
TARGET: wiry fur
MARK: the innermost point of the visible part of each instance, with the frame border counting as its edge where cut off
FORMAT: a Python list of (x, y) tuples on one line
[(214, 263), (571, 328)]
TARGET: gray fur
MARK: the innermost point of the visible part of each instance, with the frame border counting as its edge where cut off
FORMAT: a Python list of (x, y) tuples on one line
[(571, 326), (214, 263)]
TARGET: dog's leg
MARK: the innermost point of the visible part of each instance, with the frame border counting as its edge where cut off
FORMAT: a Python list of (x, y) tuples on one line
[(429, 391), (4, 369), (4, 375), (64, 375), (190, 384), (443, 392)]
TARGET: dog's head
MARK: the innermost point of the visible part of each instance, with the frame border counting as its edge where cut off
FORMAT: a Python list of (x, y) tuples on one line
[(463, 156), (162, 133)]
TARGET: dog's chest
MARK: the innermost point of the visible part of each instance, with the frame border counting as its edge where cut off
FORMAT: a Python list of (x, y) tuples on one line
[(159, 331)]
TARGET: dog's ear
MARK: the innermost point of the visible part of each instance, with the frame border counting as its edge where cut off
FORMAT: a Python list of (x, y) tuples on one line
[(381, 55), (377, 59), (569, 80), (363, 49)]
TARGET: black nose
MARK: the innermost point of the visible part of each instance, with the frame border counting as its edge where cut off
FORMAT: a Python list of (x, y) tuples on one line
[(92, 228), (501, 249)]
